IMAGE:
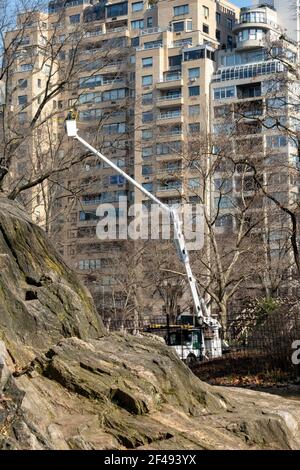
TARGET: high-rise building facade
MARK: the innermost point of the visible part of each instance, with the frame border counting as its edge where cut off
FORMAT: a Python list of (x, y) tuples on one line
[(145, 77), (141, 85), (255, 106)]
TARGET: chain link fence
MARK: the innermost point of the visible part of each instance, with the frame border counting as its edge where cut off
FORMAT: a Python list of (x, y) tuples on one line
[(261, 342)]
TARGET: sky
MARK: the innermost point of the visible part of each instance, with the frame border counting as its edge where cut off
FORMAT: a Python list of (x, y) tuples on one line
[(242, 3)]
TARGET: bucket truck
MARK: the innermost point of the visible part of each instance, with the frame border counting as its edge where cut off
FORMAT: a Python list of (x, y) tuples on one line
[(210, 344)]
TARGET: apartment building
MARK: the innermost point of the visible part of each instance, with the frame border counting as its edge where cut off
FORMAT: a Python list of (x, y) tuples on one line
[(141, 86), (254, 101), (175, 60)]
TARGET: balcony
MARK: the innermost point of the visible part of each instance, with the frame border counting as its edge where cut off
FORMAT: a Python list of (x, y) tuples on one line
[(172, 80), (145, 32), (95, 33), (176, 171), (172, 189), (175, 98), (153, 45), (120, 29), (171, 117)]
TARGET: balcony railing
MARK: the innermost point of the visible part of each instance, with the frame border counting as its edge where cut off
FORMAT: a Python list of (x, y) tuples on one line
[(113, 80), (90, 34), (169, 115), (169, 171), (116, 30), (144, 32), (170, 97), (149, 46), (173, 187), (170, 78), (176, 132)]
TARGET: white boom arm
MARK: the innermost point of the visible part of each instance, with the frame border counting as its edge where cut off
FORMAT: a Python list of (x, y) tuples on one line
[(199, 303)]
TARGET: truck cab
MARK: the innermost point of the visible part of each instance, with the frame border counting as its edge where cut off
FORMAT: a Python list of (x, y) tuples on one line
[(187, 342)]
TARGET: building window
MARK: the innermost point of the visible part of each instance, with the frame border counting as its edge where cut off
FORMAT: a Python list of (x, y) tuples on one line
[(181, 10), (147, 170), (153, 44), (224, 221), (205, 12), (147, 152), (229, 23), (135, 42), (147, 98), (149, 22), (194, 54), (118, 9), (229, 41), (22, 83), (277, 141), (147, 116), (89, 82), (218, 18), (224, 202), (178, 26), (112, 95), (194, 183), (166, 148), (22, 100), (194, 127), (194, 91), (91, 264), (147, 62), (224, 93), (91, 215), (137, 6), (194, 110), (253, 33), (218, 34), (26, 67), (137, 24), (22, 117), (205, 28), (116, 179), (148, 187), (91, 199), (175, 61), (90, 115), (118, 128), (147, 134), (74, 19), (147, 80), (90, 98), (194, 73)]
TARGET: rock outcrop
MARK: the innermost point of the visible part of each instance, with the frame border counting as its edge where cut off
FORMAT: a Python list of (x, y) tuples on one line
[(66, 384), (41, 300)]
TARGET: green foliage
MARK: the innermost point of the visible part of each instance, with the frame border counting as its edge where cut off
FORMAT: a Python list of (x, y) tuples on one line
[(266, 306)]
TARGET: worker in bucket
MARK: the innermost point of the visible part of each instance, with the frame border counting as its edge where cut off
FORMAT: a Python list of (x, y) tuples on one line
[(72, 114)]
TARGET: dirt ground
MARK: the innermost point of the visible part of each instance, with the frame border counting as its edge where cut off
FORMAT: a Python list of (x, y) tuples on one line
[(252, 370)]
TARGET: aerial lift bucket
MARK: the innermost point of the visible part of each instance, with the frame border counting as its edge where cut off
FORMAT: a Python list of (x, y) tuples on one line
[(71, 128)]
